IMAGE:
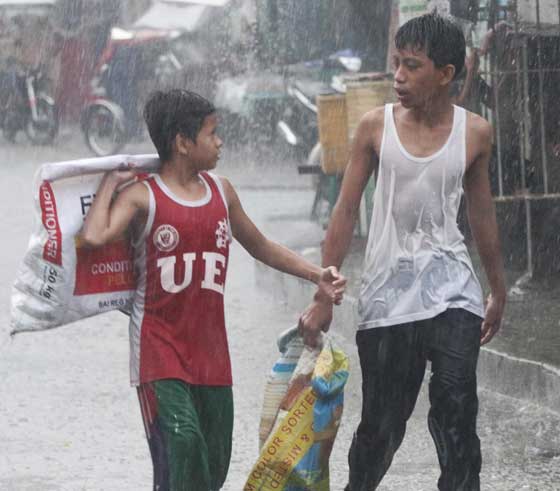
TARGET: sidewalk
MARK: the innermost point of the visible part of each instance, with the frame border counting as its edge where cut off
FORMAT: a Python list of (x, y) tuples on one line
[(522, 361)]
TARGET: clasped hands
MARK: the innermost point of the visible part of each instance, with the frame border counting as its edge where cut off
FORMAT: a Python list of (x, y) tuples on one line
[(317, 316)]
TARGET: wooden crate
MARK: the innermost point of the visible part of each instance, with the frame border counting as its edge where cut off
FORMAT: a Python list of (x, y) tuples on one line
[(339, 115), (333, 132), (363, 96)]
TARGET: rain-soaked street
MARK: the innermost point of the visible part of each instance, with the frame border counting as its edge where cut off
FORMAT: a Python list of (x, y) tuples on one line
[(69, 420)]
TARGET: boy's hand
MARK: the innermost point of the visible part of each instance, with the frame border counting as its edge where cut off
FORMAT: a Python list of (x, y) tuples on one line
[(492, 319), (318, 316), (120, 176), (331, 286), (315, 318)]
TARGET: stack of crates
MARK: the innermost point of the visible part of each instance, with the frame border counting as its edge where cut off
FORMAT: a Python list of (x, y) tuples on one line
[(333, 132), (338, 118)]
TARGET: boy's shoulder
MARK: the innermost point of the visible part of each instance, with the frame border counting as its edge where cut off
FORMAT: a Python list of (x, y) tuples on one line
[(479, 129), (137, 192), (478, 124), (222, 179), (225, 184), (371, 124), (374, 117)]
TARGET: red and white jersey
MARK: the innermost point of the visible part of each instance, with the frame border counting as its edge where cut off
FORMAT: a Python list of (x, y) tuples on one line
[(177, 326)]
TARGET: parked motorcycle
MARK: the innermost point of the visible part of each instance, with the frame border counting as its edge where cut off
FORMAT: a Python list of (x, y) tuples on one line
[(26, 106), (250, 105), (304, 82)]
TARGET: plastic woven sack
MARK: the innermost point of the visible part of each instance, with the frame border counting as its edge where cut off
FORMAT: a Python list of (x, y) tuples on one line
[(58, 281), (295, 453), (290, 346)]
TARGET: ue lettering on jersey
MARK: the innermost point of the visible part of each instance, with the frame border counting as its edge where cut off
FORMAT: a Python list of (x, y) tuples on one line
[(177, 324), (211, 262)]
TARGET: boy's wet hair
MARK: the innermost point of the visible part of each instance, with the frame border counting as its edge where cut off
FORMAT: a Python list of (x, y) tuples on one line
[(173, 112), (441, 38)]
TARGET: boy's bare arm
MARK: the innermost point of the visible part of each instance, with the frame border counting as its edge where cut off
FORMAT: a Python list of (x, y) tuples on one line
[(482, 219), (363, 161), (276, 255), (108, 220)]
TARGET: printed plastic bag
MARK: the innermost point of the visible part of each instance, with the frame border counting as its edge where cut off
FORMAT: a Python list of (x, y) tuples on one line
[(58, 281), (296, 443), (290, 345)]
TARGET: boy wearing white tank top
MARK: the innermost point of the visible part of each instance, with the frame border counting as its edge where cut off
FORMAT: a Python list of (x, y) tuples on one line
[(420, 298)]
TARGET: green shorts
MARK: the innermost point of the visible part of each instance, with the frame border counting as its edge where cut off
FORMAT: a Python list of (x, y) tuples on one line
[(189, 431)]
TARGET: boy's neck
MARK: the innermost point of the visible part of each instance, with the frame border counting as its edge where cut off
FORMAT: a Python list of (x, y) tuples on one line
[(434, 111), (179, 171)]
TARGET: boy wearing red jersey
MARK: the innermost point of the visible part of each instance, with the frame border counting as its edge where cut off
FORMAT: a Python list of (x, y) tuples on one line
[(182, 220)]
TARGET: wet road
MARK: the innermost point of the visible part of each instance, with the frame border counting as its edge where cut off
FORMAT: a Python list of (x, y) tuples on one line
[(69, 420)]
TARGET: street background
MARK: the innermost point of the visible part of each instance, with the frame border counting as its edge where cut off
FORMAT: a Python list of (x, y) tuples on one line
[(70, 421), (68, 418)]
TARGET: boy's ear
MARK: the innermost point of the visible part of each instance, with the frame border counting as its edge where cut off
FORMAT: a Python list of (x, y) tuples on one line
[(447, 74), (183, 144)]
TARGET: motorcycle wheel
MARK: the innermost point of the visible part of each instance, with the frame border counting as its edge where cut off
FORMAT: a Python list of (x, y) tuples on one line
[(104, 131), (44, 130)]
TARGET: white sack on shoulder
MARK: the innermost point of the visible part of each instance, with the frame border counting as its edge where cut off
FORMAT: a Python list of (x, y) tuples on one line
[(59, 282)]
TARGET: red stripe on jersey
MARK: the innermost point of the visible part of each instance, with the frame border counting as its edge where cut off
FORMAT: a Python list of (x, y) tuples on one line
[(183, 331)]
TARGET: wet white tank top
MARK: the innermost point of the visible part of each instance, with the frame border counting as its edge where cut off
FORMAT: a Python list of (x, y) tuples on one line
[(416, 263)]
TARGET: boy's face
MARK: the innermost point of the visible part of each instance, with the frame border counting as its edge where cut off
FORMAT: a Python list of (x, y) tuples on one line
[(205, 152), (417, 79)]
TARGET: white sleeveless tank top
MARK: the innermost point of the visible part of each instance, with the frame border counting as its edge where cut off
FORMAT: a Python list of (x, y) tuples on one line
[(416, 263)]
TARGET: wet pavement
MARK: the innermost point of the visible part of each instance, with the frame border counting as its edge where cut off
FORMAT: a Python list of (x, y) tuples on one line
[(532, 322), (70, 421)]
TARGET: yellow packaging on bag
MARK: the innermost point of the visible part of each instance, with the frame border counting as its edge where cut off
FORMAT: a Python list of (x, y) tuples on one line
[(295, 455)]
